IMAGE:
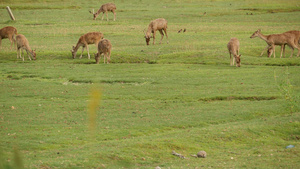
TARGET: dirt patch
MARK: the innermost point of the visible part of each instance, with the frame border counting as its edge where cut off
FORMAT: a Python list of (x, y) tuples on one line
[(270, 10)]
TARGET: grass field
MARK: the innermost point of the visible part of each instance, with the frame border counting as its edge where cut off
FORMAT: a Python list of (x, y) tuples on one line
[(59, 112)]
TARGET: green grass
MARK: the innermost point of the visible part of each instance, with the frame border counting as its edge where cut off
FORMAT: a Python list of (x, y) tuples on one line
[(181, 96)]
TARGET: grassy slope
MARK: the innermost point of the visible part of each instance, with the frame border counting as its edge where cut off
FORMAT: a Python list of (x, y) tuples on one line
[(240, 117)]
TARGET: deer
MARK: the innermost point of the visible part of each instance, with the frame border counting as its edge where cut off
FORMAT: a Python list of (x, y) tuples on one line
[(278, 39), (85, 40), (297, 41), (233, 47), (159, 24), (104, 47), (109, 7), (23, 44), (10, 33)]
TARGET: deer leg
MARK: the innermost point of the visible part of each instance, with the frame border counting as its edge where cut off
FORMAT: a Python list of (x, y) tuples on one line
[(105, 56), (0, 41), (87, 48), (11, 42), (18, 50), (230, 59), (292, 52), (162, 35), (273, 47), (22, 54), (233, 60), (97, 58), (28, 55), (106, 15), (82, 52), (14, 39), (282, 50), (109, 56), (165, 30), (264, 50), (154, 37), (114, 15), (102, 16), (298, 47)]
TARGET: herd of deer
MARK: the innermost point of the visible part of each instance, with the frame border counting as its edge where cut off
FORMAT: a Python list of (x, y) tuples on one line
[(290, 38)]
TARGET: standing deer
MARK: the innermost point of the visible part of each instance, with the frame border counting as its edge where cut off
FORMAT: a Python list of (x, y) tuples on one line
[(278, 39), (10, 33), (109, 7), (158, 24), (233, 47), (104, 47), (296, 41), (22, 43), (85, 40)]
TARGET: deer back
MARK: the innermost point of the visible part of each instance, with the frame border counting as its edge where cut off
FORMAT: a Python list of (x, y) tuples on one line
[(22, 42), (104, 46), (296, 35), (233, 45), (7, 32), (107, 7), (92, 37), (159, 24)]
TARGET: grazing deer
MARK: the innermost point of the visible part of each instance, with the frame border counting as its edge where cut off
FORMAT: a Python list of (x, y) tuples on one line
[(104, 47), (159, 24), (109, 7), (22, 43), (233, 47), (10, 33), (85, 40), (278, 39)]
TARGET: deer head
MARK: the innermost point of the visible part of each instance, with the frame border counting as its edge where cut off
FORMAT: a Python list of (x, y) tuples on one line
[(73, 52), (97, 58), (34, 54), (94, 14), (255, 34), (270, 51), (238, 60), (147, 38)]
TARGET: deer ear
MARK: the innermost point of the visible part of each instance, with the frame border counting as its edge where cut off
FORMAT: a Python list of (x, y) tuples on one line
[(240, 55), (258, 30)]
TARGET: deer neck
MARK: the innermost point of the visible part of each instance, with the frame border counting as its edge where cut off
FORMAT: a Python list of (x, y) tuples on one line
[(29, 50), (149, 31), (77, 46), (263, 37)]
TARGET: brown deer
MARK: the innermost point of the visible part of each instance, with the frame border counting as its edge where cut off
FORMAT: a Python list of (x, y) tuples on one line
[(85, 40), (233, 47), (297, 41), (104, 47), (278, 39), (159, 24), (109, 7), (10, 33), (22, 43)]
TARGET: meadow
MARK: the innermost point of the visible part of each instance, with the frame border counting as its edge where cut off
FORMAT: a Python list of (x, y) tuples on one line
[(59, 112)]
